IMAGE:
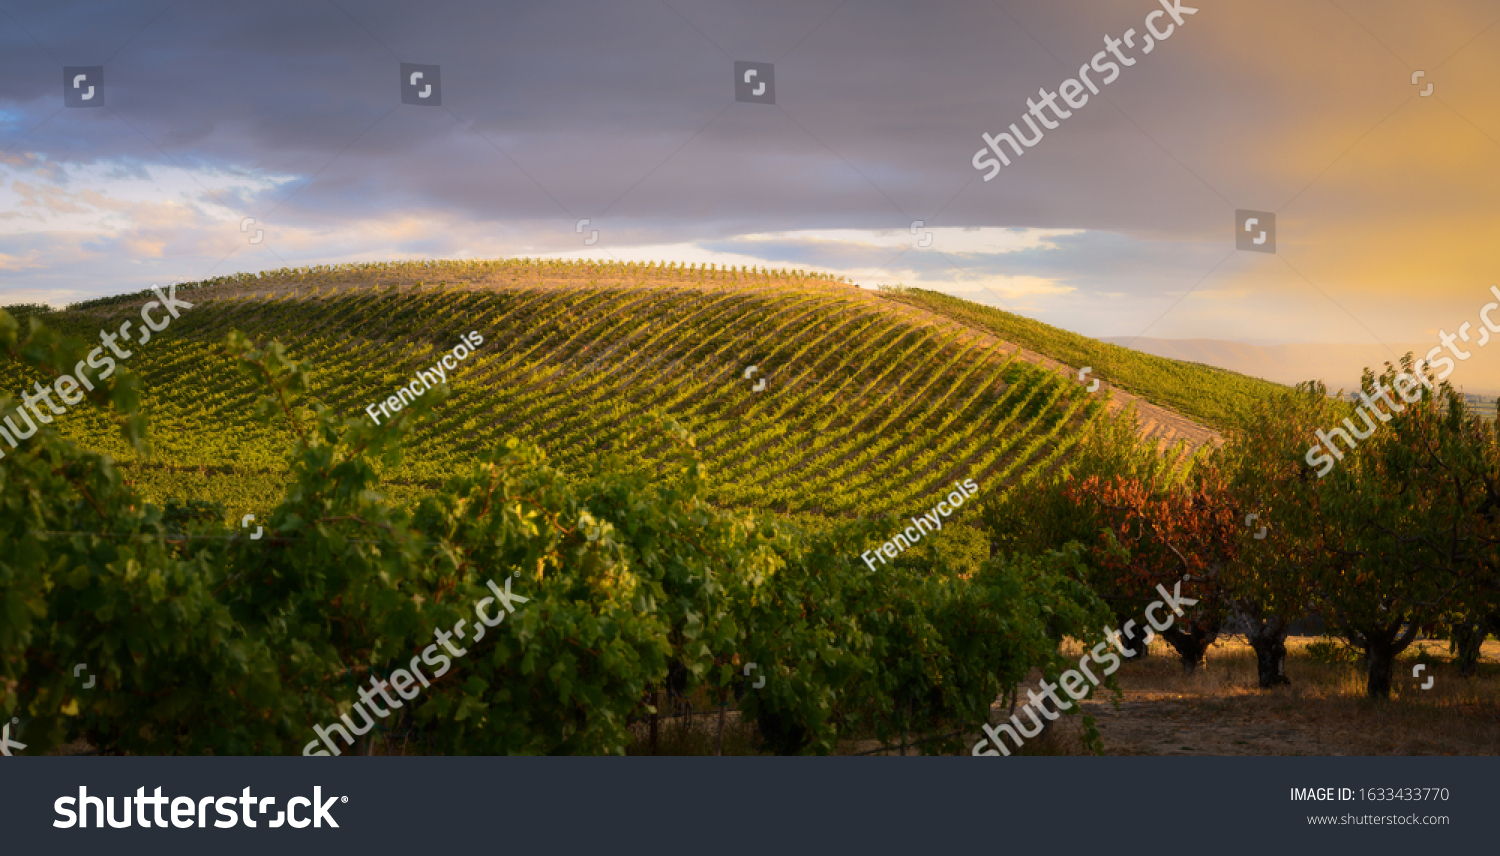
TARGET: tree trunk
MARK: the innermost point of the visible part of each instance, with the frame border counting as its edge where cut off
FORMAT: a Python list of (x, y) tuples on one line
[(1267, 637), (1381, 645), (1468, 637), (1270, 661), (1136, 647), (1193, 644), (1381, 660)]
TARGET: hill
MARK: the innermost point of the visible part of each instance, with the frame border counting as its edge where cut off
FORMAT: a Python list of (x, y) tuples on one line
[(871, 402), (1208, 394)]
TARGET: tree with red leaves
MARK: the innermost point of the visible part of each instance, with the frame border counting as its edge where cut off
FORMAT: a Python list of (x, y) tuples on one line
[(1152, 535)]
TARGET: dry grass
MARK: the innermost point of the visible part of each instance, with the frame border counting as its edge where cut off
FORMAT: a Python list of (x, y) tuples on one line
[(1221, 711)]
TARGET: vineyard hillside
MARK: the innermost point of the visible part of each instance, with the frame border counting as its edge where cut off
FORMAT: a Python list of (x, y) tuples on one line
[(859, 403)]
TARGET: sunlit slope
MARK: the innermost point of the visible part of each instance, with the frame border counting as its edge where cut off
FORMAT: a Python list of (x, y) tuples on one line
[(863, 411), (1212, 396)]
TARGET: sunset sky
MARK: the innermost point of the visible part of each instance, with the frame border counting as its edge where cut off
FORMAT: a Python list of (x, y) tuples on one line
[(1119, 223)]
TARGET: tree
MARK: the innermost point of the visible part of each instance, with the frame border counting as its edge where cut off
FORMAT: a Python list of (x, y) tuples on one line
[(1054, 511), (1423, 531), (1397, 531), (1185, 533), (1466, 637), (1270, 585)]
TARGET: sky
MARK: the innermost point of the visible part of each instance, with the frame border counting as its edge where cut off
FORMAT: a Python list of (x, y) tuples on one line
[(1119, 222)]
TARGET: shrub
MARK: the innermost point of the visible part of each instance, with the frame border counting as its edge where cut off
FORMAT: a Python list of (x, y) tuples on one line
[(205, 640)]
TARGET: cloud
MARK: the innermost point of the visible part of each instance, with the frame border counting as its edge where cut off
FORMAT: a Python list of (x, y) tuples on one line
[(1117, 223)]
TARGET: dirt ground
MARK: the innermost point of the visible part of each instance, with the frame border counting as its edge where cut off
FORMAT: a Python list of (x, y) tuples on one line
[(1220, 711)]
